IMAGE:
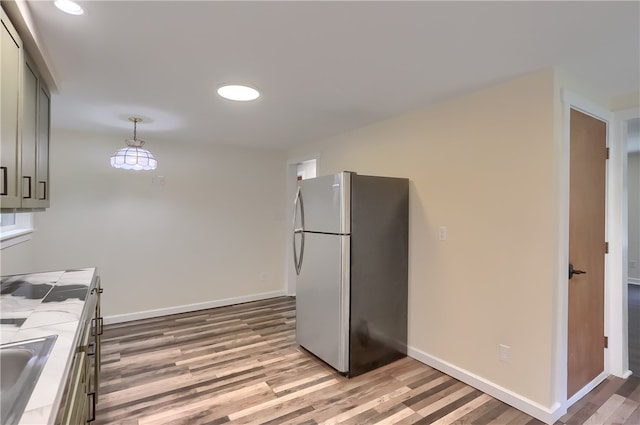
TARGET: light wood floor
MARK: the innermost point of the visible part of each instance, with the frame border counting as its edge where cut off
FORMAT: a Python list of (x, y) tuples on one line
[(241, 364)]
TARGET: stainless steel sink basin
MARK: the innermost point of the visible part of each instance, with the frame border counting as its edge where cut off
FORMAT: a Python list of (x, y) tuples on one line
[(20, 365)]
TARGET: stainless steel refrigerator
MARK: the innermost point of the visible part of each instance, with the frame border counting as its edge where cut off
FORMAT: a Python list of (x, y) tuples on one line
[(350, 249)]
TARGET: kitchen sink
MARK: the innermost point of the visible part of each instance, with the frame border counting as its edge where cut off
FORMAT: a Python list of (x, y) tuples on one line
[(21, 363)]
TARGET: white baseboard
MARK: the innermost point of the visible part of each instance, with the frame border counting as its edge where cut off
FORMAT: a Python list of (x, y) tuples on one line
[(634, 281), (547, 415), (120, 318), (586, 389)]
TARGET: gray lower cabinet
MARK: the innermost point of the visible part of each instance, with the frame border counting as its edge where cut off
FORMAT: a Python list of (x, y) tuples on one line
[(80, 396), (98, 330)]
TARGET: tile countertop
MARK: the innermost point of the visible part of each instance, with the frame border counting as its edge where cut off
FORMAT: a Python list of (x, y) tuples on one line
[(41, 304)]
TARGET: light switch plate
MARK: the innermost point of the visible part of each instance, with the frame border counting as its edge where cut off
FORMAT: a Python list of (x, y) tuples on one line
[(505, 353), (158, 181)]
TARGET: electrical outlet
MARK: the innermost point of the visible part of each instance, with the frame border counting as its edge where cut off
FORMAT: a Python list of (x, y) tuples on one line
[(442, 233), (632, 265), (264, 277), (505, 353)]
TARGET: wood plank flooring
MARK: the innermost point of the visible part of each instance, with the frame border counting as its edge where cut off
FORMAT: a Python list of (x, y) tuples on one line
[(241, 365)]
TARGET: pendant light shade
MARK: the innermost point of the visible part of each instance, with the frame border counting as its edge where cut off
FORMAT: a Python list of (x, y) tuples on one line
[(133, 157)]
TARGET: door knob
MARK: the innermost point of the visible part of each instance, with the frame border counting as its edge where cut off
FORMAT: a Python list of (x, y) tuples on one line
[(573, 271)]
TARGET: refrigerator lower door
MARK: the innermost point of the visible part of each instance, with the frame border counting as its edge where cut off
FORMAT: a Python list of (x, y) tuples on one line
[(322, 299)]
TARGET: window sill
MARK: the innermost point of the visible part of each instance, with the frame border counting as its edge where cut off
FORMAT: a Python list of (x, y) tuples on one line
[(14, 237)]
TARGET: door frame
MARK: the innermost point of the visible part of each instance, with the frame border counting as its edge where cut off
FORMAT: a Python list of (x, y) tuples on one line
[(291, 186), (616, 231), (619, 306), (570, 100)]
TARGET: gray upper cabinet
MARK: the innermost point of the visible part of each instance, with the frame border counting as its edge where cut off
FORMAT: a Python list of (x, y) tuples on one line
[(35, 140), (42, 148), (29, 133), (26, 105), (10, 76)]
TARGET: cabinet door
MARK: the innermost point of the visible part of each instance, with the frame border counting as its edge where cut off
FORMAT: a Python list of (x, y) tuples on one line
[(75, 407), (29, 135), (99, 330), (42, 149), (10, 69)]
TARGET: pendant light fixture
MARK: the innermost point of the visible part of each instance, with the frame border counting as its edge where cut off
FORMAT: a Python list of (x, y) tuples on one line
[(133, 157)]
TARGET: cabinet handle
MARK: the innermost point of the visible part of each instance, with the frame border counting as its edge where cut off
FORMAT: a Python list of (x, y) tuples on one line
[(97, 327), (93, 407), (4, 181), (91, 349), (44, 190), (98, 287), (29, 186)]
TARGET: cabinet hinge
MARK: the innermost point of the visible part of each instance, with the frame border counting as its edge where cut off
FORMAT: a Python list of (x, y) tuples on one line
[(606, 342), (607, 153), (606, 247)]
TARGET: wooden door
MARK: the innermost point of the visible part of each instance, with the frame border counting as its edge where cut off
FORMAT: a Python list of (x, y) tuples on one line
[(586, 250)]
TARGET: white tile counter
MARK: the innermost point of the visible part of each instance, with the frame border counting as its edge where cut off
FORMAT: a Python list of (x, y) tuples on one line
[(41, 304)]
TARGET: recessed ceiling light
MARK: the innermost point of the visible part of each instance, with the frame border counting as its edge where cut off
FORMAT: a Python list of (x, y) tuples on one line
[(240, 93), (69, 7)]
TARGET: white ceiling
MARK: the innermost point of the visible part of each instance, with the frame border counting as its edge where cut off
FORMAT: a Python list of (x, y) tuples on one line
[(322, 67)]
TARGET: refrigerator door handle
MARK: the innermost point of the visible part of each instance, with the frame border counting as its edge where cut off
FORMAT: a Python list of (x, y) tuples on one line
[(297, 262)]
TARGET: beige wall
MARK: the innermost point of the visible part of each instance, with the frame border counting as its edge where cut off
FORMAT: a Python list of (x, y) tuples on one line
[(215, 230), (483, 166), (634, 215)]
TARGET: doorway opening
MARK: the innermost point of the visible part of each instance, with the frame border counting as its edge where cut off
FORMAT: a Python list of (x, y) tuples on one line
[(306, 169), (297, 169)]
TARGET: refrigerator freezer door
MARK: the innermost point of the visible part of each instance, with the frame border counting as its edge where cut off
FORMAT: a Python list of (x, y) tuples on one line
[(326, 201), (322, 299)]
